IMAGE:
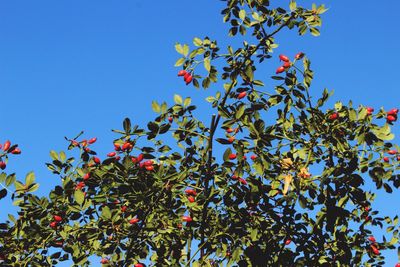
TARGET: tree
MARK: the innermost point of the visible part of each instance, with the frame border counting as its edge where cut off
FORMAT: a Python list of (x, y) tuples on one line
[(288, 190)]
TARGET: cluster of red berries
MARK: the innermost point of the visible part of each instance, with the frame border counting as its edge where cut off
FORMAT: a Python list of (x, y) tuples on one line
[(7, 148), (126, 147), (240, 179), (191, 194), (391, 115), (286, 62), (373, 245), (84, 143), (56, 220), (392, 152), (187, 76)]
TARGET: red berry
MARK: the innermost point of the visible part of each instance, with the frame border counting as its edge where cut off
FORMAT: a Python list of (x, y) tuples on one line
[(232, 156), (288, 241), (96, 160), (124, 208), (191, 199), (53, 224), (57, 218), (231, 139), (80, 185), (287, 65), (333, 116), (117, 158), (170, 119), (385, 159), (92, 140), (280, 69), (392, 152), (229, 130), (187, 218), (182, 73), (372, 239), (149, 168), (7, 145), (370, 110), (126, 146), (244, 157), (104, 261), (397, 265), (242, 181), (148, 163), (138, 265), (190, 192), (117, 147), (235, 177), (16, 151), (299, 55), (241, 95), (134, 220), (86, 176), (84, 143), (2, 165), (188, 79), (139, 158), (393, 111), (253, 157), (367, 208), (283, 58), (375, 250), (391, 118), (111, 154)]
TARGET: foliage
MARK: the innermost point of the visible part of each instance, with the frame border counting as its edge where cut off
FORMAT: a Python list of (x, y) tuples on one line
[(288, 189)]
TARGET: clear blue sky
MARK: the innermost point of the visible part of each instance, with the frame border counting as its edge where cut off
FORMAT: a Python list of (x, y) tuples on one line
[(67, 66)]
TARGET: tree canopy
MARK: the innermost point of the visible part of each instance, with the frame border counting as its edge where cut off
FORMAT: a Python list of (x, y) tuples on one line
[(288, 189)]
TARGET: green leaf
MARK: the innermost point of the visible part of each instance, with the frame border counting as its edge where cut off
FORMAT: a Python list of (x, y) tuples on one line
[(19, 186), (79, 197), (242, 14), (179, 62), (106, 213), (53, 155), (29, 179), (207, 64), (240, 111), (3, 193), (156, 107), (197, 41), (178, 99), (127, 125), (314, 31), (187, 102), (253, 234), (33, 187), (179, 48), (292, 5), (185, 50), (249, 72)]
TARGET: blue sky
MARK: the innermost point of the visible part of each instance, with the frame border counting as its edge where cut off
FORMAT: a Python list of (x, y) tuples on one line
[(67, 66)]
